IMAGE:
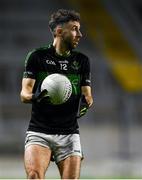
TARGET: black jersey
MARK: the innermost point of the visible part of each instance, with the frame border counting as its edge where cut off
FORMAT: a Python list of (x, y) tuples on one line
[(57, 119)]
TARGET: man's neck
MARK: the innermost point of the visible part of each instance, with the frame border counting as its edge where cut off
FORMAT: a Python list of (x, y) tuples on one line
[(60, 49)]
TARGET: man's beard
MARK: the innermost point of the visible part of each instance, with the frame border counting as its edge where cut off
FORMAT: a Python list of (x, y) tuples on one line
[(68, 44)]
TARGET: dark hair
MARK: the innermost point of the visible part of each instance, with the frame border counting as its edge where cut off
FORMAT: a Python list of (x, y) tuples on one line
[(63, 16)]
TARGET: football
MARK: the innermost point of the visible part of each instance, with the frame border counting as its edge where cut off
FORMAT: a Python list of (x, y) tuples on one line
[(59, 88)]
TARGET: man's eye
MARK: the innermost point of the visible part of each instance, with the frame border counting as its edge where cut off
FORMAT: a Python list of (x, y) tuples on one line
[(74, 28)]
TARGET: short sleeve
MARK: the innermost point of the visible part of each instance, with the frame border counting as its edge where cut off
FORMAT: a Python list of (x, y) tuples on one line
[(86, 74), (31, 64)]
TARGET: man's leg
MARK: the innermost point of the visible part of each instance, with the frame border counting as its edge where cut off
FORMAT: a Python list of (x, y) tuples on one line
[(36, 159), (70, 167)]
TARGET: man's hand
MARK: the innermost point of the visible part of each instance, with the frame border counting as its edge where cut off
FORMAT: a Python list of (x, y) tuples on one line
[(83, 107), (39, 95)]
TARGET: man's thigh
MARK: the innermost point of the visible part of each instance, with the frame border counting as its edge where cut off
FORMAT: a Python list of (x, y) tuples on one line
[(65, 146), (69, 168), (37, 158)]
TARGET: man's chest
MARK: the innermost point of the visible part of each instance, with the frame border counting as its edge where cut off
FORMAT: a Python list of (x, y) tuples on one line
[(65, 65)]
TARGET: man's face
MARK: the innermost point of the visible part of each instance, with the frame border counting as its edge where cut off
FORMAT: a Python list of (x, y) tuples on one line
[(71, 34)]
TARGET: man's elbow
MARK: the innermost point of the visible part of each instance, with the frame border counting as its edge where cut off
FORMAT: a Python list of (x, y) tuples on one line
[(24, 98)]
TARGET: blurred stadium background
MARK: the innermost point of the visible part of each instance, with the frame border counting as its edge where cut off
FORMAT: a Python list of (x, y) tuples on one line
[(111, 133)]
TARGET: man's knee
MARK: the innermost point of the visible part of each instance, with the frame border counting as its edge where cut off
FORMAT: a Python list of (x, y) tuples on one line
[(33, 174)]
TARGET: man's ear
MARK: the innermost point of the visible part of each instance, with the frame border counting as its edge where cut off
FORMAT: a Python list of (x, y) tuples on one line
[(58, 31)]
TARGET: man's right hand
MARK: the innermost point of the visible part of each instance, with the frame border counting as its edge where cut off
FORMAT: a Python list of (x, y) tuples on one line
[(39, 95)]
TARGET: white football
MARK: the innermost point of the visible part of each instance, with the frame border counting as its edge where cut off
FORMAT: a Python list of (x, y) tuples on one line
[(59, 88)]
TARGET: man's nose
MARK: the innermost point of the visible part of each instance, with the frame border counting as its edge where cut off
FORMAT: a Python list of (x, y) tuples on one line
[(79, 34)]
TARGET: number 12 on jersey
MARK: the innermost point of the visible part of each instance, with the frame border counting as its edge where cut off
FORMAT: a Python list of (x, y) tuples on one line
[(63, 66)]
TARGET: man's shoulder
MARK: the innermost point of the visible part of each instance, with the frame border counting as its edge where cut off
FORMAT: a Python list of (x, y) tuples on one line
[(46, 48), (42, 49), (37, 52)]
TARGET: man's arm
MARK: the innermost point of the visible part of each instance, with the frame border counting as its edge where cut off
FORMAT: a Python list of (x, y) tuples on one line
[(86, 100), (86, 91), (27, 90)]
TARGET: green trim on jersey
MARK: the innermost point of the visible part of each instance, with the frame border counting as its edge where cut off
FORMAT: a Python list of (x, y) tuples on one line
[(75, 81)]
